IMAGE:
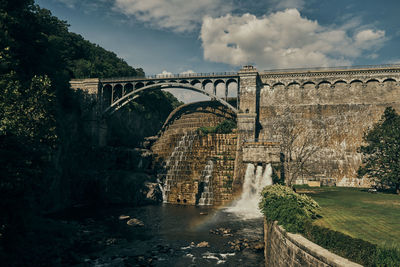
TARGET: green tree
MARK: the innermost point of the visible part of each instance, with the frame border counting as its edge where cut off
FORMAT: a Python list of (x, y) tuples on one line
[(28, 113), (381, 160)]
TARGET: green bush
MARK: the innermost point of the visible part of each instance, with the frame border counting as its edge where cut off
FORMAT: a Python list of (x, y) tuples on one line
[(224, 127), (354, 249), (386, 257), (293, 211)]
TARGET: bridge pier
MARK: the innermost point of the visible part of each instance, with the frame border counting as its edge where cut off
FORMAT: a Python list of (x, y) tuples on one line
[(248, 116)]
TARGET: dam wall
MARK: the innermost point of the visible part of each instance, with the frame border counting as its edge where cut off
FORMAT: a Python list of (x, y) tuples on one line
[(330, 108), (337, 106), (181, 155)]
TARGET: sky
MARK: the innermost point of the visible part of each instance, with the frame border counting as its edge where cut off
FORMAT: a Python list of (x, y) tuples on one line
[(176, 36)]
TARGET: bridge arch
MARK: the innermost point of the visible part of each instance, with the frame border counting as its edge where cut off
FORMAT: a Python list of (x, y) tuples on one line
[(168, 85), (128, 88), (117, 92), (139, 85), (194, 82)]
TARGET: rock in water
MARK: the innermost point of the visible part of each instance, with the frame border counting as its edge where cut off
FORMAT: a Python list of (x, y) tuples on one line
[(203, 244), (135, 222), (153, 193), (124, 217)]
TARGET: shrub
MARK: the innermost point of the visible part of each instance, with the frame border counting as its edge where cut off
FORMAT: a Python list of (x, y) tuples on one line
[(205, 130), (293, 211), (354, 249), (224, 127), (386, 257)]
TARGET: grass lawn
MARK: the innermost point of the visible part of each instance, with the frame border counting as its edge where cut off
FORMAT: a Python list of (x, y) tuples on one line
[(372, 217)]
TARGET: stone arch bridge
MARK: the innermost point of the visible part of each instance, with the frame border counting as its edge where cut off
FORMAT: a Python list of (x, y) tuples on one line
[(114, 93)]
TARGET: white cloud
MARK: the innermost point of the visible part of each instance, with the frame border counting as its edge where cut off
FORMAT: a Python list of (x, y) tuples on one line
[(187, 96), (178, 15), (282, 39), (164, 73), (69, 3), (369, 38), (187, 72)]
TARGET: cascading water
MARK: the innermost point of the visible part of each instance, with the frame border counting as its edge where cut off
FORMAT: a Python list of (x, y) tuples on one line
[(173, 163), (207, 196), (267, 176), (255, 180)]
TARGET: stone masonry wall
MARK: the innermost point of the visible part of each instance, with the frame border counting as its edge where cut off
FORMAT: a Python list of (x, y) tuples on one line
[(287, 249), (342, 103), (220, 148)]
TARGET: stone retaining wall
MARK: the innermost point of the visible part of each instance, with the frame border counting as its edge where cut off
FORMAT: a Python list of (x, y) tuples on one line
[(287, 249)]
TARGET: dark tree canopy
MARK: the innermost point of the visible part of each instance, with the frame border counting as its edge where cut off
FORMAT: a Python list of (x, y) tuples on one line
[(38, 57), (381, 153), (40, 116)]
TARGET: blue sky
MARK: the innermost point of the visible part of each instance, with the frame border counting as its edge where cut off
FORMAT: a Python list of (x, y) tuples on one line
[(221, 35)]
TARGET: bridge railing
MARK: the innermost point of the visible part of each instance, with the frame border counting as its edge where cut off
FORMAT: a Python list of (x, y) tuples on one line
[(171, 76), (186, 75), (336, 68)]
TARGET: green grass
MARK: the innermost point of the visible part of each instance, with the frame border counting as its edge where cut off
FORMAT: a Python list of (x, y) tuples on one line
[(371, 217)]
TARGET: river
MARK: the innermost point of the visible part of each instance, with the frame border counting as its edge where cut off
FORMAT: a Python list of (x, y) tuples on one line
[(170, 236), (173, 235)]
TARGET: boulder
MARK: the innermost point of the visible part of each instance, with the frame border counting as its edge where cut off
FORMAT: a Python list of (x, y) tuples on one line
[(152, 193), (203, 244), (135, 222)]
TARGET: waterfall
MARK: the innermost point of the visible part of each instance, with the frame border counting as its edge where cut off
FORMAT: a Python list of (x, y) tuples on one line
[(207, 196), (172, 165), (255, 180)]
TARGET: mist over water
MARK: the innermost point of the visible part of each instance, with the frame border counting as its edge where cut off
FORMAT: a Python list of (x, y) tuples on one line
[(246, 207)]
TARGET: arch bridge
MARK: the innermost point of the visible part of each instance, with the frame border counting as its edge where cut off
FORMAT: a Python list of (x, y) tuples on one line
[(116, 92)]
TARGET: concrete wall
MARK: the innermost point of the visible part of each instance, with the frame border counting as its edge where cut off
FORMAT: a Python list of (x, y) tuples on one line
[(287, 249)]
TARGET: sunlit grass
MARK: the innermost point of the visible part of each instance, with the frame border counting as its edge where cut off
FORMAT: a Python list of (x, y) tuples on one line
[(355, 212)]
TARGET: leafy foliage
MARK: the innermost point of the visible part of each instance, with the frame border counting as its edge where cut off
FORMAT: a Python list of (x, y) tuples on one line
[(224, 127), (381, 153), (293, 211), (43, 140), (28, 112), (354, 249)]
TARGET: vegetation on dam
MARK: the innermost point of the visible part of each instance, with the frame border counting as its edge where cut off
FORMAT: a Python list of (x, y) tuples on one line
[(224, 127)]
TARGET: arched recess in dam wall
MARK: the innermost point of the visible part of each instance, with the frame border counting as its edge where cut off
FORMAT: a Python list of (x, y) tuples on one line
[(186, 176)]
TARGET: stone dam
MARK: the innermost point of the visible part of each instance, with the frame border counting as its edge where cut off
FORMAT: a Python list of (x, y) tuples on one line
[(334, 106)]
